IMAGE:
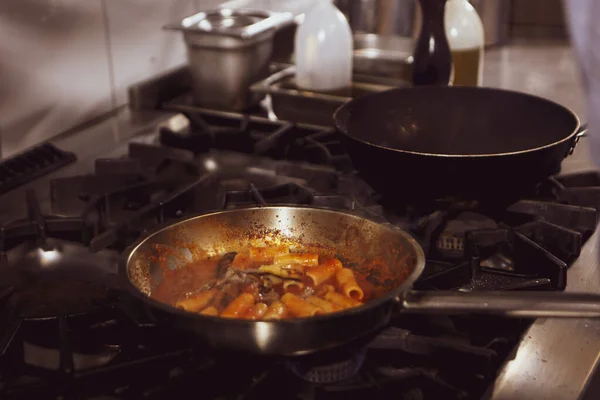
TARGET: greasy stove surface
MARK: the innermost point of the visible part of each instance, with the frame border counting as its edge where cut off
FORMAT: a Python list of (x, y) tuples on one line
[(112, 352), (66, 330)]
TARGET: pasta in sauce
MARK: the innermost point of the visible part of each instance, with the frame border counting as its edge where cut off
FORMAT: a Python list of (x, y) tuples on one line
[(265, 283)]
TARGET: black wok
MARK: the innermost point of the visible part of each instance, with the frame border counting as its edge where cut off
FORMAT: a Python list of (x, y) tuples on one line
[(351, 236), (431, 142)]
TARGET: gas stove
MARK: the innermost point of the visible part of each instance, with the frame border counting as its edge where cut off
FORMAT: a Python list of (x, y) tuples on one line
[(66, 331)]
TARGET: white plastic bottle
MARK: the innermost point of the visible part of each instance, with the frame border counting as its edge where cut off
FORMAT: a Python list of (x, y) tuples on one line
[(465, 34), (323, 49)]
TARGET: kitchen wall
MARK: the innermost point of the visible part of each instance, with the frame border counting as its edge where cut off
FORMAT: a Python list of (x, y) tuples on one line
[(537, 18), (65, 62)]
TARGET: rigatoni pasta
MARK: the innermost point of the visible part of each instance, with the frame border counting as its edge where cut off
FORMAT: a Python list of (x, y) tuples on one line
[(324, 305), (211, 310), (277, 310), (257, 311), (342, 301), (324, 272), (272, 283), (238, 307), (292, 272), (290, 284), (266, 254), (198, 301), (298, 307), (303, 259), (347, 283)]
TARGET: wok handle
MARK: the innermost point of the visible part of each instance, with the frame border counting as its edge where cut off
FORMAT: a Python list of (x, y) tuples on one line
[(581, 132), (517, 304)]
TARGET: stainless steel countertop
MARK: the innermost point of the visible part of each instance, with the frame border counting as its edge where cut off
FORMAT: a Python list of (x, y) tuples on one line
[(556, 357), (543, 68)]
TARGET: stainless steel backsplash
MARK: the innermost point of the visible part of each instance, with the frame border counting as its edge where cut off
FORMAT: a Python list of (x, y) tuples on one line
[(65, 62)]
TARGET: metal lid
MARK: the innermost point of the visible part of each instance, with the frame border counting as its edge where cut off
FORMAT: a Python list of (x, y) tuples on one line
[(241, 23)]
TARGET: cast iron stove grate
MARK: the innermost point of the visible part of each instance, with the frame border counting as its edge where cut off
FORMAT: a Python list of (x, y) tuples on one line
[(527, 245), (214, 130)]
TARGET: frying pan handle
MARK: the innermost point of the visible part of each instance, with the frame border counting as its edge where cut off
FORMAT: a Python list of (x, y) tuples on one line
[(510, 304), (581, 132)]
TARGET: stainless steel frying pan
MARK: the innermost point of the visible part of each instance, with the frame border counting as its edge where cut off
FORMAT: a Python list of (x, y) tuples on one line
[(353, 237)]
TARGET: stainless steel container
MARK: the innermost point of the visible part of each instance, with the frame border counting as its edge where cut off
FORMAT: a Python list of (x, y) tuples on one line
[(290, 103), (228, 50), (384, 56)]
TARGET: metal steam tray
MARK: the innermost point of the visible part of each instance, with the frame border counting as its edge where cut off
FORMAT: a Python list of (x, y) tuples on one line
[(290, 103)]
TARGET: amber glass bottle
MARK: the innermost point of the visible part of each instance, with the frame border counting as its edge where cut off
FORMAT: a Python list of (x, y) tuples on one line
[(432, 59)]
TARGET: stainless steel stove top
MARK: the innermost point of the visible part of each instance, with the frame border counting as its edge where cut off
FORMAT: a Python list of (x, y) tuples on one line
[(554, 359)]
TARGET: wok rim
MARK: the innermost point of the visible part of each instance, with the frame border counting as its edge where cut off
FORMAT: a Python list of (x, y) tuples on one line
[(346, 106), (393, 295)]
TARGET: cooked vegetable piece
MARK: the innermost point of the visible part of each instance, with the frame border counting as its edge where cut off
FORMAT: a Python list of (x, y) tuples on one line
[(225, 263), (241, 260), (265, 255)]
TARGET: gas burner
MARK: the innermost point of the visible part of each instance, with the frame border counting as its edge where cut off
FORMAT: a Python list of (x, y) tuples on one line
[(450, 242), (55, 278), (501, 259), (331, 370), (509, 253), (49, 297), (43, 350), (387, 383), (99, 353)]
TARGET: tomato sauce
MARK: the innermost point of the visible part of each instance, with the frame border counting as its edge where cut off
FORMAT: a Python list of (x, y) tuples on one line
[(176, 283)]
